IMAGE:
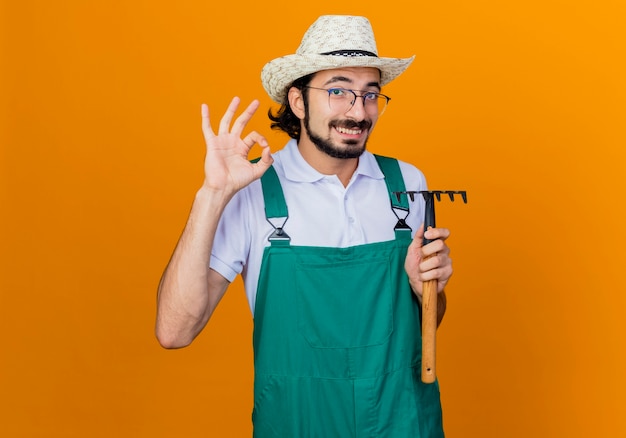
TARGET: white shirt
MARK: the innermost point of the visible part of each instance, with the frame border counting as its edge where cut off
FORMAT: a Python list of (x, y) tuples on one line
[(322, 212)]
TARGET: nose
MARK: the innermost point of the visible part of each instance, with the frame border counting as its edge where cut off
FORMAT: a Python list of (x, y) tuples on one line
[(357, 110)]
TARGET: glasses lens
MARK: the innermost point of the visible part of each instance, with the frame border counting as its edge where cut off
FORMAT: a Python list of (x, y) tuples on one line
[(375, 102), (381, 103), (342, 100)]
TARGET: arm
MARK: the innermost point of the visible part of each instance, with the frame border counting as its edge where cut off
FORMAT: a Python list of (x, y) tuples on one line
[(189, 291), (430, 262)]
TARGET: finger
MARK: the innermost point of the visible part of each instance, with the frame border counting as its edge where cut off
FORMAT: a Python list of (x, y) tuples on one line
[(435, 247), (414, 250), (264, 163), (253, 138), (266, 156), (435, 261), (437, 233), (206, 123), (245, 117), (228, 116), (416, 243), (419, 235), (439, 274)]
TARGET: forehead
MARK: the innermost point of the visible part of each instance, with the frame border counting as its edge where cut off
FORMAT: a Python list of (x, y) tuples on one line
[(357, 76)]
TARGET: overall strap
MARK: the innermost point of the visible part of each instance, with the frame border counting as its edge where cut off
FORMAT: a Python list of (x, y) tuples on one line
[(397, 191), (276, 207), (394, 181), (276, 211)]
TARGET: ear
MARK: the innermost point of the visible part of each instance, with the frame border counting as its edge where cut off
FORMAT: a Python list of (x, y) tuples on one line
[(296, 102)]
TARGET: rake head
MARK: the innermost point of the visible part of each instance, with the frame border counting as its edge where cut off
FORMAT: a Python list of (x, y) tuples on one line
[(429, 196)]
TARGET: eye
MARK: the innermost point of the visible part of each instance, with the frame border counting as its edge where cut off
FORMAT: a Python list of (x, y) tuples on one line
[(371, 96), (336, 92)]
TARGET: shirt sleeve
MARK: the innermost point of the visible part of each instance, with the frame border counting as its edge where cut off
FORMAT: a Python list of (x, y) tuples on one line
[(232, 239)]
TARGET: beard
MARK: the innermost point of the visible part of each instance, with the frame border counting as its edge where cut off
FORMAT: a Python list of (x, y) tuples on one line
[(350, 149)]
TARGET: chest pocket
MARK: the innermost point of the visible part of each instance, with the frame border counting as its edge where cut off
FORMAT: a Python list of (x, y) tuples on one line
[(345, 304)]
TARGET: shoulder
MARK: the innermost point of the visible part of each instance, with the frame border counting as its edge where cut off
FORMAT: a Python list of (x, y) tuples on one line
[(414, 178)]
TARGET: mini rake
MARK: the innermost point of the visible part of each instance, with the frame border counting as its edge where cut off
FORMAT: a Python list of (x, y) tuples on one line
[(429, 294)]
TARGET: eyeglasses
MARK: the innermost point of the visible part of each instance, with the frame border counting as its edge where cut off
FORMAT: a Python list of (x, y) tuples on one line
[(343, 99)]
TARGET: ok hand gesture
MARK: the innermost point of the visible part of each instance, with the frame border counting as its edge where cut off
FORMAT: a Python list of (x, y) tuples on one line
[(227, 168)]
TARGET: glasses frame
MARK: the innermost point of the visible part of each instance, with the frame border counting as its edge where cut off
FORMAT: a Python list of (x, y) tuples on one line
[(362, 96)]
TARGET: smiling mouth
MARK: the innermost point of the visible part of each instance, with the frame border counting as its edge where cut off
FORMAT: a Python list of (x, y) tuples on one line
[(348, 131)]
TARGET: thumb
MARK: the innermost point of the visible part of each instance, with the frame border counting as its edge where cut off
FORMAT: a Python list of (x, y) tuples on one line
[(418, 239), (264, 163), (415, 248)]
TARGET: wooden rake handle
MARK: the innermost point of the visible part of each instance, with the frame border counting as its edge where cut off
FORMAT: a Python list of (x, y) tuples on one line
[(429, 305), (429, 331)]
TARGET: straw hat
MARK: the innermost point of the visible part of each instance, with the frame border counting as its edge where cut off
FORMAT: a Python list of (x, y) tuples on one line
[(333, 41)]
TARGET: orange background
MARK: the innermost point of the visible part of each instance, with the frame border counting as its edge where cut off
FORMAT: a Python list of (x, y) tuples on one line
[(520, 103)]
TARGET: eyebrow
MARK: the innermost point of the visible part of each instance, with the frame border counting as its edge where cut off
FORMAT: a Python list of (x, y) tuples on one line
[(350, 81)]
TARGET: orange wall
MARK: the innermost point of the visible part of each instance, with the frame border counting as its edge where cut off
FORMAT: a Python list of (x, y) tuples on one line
[(520, 103)]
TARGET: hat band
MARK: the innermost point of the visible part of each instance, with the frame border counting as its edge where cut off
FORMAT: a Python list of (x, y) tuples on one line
[(350, 53)]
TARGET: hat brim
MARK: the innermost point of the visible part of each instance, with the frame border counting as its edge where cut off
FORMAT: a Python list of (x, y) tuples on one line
[(280, 73)]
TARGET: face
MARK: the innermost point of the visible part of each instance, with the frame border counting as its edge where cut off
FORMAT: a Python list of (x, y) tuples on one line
[(336, 132)]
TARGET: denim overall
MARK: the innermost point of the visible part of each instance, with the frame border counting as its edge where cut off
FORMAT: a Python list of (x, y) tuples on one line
[(337, 343)]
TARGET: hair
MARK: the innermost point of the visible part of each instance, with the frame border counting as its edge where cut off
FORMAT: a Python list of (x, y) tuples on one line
[(284, 119)]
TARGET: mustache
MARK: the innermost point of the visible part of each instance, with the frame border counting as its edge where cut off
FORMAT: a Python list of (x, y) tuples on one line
[(351, 124)]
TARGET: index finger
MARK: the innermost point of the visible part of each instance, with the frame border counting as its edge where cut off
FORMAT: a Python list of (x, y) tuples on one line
[(244, 117), (437, 233)]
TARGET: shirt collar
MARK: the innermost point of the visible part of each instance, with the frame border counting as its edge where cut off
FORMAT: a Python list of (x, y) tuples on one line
[(297, 169)]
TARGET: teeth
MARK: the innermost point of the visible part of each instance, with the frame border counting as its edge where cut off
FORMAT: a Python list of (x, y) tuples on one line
[(349, 131)]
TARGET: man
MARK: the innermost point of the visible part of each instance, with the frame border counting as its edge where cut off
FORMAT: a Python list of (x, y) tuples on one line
[(333, 266)]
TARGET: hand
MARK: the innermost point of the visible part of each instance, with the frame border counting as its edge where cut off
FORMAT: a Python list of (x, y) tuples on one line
[(227, 168), (430, 262)]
